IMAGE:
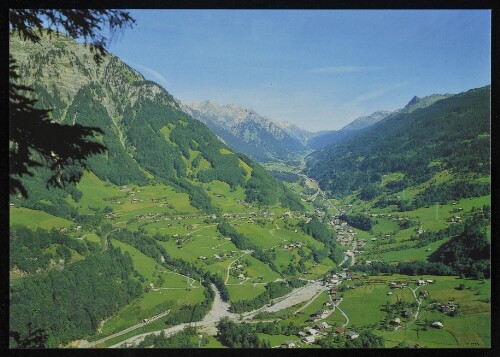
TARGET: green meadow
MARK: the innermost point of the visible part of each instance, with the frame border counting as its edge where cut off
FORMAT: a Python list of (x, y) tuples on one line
[(34, 219)]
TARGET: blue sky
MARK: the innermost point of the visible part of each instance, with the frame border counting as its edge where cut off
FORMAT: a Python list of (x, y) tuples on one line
[(319, 69)]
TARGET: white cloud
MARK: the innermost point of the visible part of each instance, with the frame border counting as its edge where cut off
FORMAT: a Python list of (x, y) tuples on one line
[(345, 69), (374, 94), (156, 75)]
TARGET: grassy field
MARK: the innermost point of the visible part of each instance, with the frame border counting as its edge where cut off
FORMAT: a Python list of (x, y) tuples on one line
[(363, 304), (223, 197), (152, 303), (276, 340), (244, 291), (471, 328), (34, 218), (259, 235), (407, 255), (144, 265), (213, 342)]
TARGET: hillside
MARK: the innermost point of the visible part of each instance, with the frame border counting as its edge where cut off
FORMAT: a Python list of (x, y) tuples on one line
[(451, 134), (322, 140), (139, 119), (298, 133), (246, 131), (333, 137), (169, 203)]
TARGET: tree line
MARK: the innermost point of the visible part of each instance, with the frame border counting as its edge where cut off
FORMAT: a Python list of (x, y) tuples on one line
[(69, 304), (320, 231)]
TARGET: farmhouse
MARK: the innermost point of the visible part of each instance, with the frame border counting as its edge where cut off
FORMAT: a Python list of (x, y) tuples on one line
[(396, 321), (407, 313), (352, 335), (302, 334), (340, 330), (337, 300), (396, 286), (288, 344), (424, 293), (447, 308), (312, 331), (308, 339), (321, 326), (241, 276), (318, 314), (437, 324)]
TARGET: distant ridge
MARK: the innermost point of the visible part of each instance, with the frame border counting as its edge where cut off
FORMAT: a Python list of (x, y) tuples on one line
[(246, 131)]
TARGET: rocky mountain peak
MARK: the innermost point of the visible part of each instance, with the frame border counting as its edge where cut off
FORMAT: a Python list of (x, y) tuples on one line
[(413, 101)]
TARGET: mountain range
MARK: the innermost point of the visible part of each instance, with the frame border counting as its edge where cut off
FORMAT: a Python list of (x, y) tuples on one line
[(145, 129), (357, 125), (426, 136), (246, 131)]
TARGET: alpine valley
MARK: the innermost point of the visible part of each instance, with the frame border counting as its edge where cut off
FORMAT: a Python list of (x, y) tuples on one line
[(207, 225)]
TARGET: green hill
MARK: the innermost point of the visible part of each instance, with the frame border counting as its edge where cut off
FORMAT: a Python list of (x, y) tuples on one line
[(152, 203), (452, 134), (149, 138)]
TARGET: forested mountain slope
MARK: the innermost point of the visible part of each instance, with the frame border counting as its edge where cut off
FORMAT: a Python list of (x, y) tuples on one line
[(362, 124), (149, 138), (451, 134), (333, 137)]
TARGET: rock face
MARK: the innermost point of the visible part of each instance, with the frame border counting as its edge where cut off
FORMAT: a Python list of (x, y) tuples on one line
[(413, 101), (246, 131)]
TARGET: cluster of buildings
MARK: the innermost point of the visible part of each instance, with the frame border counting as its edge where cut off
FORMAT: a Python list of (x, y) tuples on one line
[(394, 285), (456, 219), (292, 246), (448, 307), (310, 334)]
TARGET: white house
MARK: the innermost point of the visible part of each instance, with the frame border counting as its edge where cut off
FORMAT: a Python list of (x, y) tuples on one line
[(352, 335), (308, 339), (288, 344), (437, 324), (312, 331)]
